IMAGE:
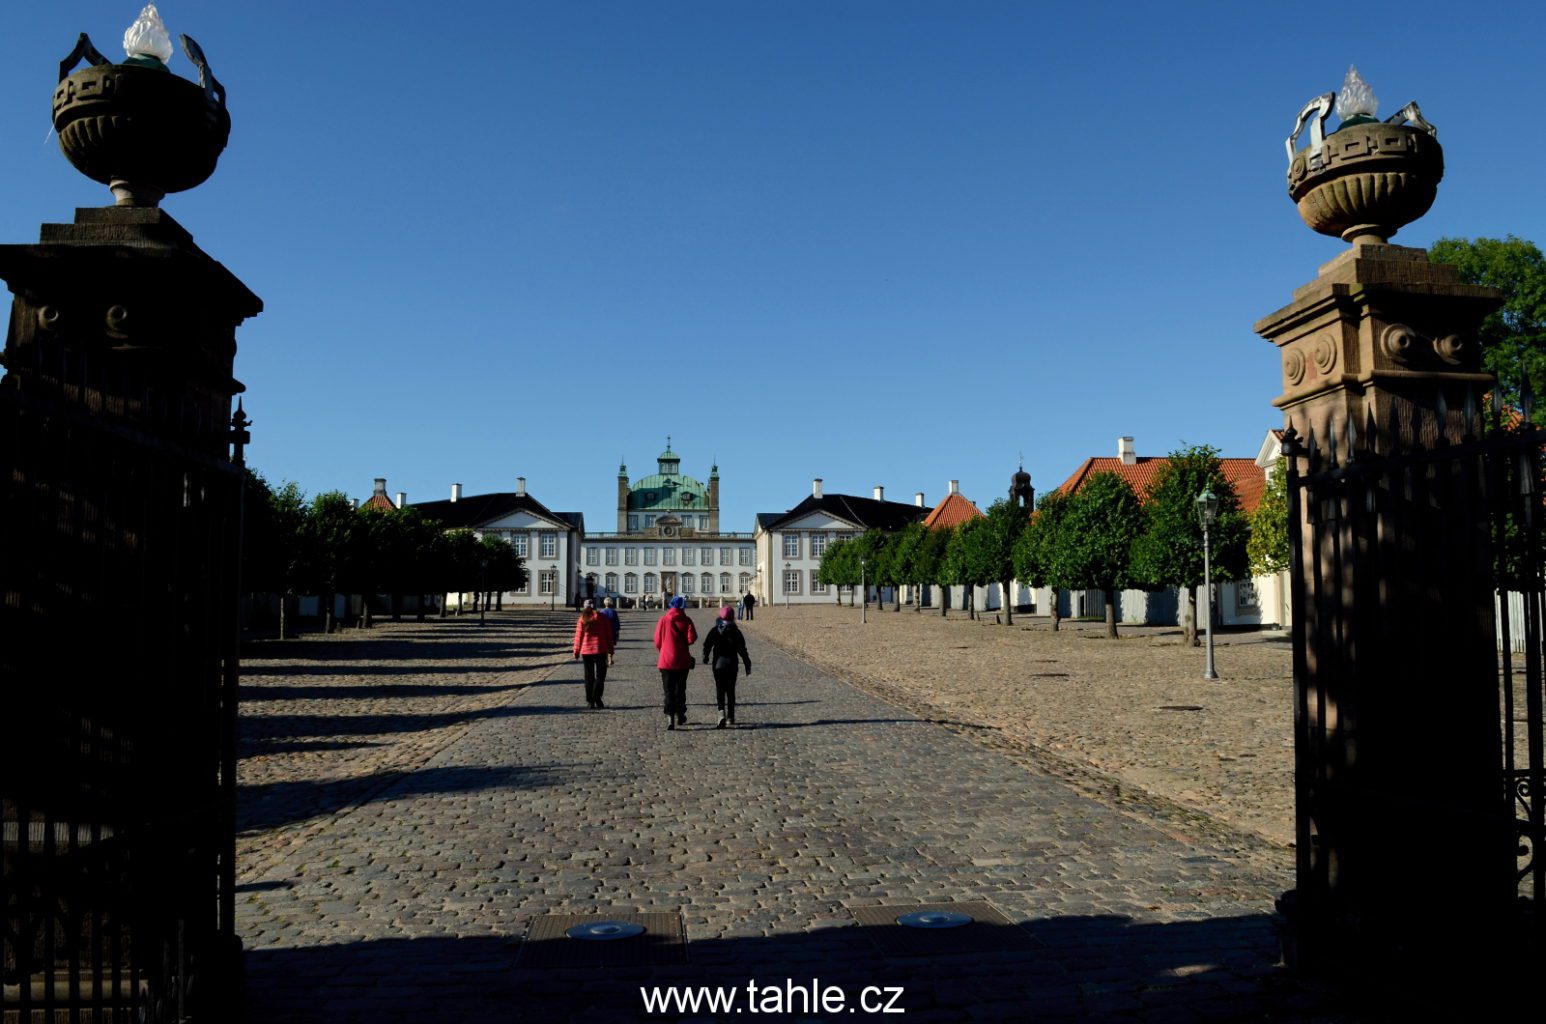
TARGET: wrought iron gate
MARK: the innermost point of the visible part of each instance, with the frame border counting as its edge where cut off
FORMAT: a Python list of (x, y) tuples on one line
[(117, 770), (1356, 505)]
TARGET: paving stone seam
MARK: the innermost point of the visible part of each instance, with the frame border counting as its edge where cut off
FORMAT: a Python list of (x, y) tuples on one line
[(1184, 824)]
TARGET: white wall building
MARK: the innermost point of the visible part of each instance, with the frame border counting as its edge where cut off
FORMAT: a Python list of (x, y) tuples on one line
[(548, 542), (790, 544)]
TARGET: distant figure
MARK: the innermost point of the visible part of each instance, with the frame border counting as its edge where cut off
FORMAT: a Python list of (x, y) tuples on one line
[(722, 645), (674, 637), (748, 602), (610, 612), (593, 641)]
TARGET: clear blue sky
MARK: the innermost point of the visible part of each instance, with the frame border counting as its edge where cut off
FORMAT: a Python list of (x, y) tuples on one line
[(877, 242)]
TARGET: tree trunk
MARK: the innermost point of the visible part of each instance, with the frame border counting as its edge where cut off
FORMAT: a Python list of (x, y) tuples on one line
[(327, 612), (283, 600), (944, 602), (918, 598), (1054, 608), (896, 598), (1006, 599), (420, 616), (971, 601), (397, 606), (499, 600), (1111, 614), (365, 605), (1189, 618)]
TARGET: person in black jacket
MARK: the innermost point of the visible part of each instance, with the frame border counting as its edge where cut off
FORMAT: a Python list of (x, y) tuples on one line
[(721, 647)]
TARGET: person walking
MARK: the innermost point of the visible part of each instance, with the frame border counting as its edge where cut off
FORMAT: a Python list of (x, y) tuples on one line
[(674, 637), (593, 641), (610, 614), (748, 602), (722, 645)]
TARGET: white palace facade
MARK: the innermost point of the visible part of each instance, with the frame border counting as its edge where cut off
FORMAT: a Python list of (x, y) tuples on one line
[(668, 542)]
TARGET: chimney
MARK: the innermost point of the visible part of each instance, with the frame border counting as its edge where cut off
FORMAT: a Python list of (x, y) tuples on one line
[(918, 499), (954, 488), (402, 498), (354, 503), (456, 492), (880, 493), (816, 487), (1125, 451), (520, 486), (380, 487)]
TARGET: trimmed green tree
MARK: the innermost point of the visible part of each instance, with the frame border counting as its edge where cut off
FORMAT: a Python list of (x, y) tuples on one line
[(839, 566), (1513, 337), (996, 549), (965, 564), (1169, 552), (1104, 520), (1037, 552), (1267, 547)]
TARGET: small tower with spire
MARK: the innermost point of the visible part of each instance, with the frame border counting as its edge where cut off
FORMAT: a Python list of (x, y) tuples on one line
[(714, 497), (622, 495)]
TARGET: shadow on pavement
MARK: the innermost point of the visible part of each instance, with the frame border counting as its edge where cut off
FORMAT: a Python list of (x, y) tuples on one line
[(268, 805), (1076, 968), (367, 691)]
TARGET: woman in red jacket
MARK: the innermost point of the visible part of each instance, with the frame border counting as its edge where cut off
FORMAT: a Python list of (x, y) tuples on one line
[(674, 637), (593, 641)]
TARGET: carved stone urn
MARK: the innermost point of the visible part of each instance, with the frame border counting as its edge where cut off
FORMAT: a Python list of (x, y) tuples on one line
[(138, 128), (1368, 178)]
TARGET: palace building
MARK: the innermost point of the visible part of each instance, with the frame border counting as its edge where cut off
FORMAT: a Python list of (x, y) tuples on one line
[(668, 541)]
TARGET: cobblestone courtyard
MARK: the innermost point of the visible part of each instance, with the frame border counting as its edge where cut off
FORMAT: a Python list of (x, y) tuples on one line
[(412, 799)]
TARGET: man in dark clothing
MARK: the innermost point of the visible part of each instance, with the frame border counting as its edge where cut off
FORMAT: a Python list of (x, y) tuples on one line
[(721, 647), (747, 603)]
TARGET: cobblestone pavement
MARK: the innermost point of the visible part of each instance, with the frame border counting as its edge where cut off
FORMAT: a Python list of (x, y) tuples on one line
[(1136, 710), (395, 882)]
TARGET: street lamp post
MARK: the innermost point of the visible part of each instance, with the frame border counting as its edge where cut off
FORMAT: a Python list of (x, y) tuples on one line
[(553, 591), (1207, 513), (864, 606), (786, 586)]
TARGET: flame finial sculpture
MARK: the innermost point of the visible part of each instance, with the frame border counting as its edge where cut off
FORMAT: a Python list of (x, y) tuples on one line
[(136, 127), (1368, 178)]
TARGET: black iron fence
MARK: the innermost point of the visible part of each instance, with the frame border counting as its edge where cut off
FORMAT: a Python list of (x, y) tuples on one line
[(117, 771), (1418, 712)]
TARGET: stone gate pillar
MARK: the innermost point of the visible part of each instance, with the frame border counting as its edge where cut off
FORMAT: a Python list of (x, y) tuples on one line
[(1403, 848)]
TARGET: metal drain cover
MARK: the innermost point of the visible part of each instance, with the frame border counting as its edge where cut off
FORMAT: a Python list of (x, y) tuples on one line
[(933, 919), (941, 929), (605, 931), (652, 938)]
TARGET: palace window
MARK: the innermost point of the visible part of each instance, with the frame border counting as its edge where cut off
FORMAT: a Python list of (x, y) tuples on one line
[(630, 556), (746, 582), (521, 542), (631, 583), (547, 581), (705, 556), (687, 583), (651, 583), (592, 556), (817, 587), (724, 583), (649, 556), (649, 521), (791, 581), (791, 545), (1245, 595), (633, 523), (746, 557), (818, 544), (611, 556), (726, 556), (548, 544), (612, 582), (687, 556), (668, 556)]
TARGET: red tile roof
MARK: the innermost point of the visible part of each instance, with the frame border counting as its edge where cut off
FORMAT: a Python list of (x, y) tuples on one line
[(379, 501), (952, 512), (1243, 474)]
